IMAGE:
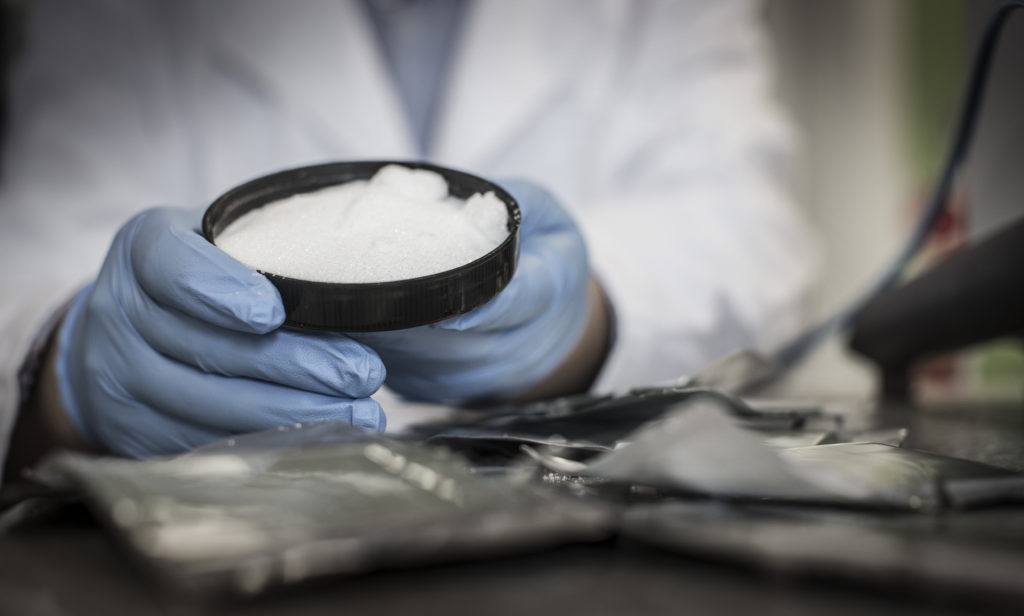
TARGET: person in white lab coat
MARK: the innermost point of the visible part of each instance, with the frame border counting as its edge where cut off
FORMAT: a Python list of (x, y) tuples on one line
[(650, 121)]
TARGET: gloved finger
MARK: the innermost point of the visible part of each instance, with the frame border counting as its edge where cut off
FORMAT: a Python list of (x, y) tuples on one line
[(244, 405), (226, 403), (540, 210), (530, 292), (134, 430), (325, 363), (178, 268), (552, 251), (247, 405)]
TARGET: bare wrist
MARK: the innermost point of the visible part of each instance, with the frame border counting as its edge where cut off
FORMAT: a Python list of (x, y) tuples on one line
[(42, 425)]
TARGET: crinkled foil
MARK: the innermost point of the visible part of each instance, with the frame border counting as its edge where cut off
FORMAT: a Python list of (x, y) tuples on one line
[(248, 516)]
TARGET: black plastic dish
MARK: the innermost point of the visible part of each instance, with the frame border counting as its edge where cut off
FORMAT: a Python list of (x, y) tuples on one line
[(376, 306)]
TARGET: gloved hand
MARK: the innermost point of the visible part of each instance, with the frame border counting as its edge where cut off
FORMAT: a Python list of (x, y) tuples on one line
[(518, 338), (176, 344)]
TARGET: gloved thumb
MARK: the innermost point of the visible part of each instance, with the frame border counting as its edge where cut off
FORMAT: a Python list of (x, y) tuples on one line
[(180, 269)]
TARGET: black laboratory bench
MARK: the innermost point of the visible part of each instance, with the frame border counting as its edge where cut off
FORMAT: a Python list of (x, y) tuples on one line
[(739, 558)]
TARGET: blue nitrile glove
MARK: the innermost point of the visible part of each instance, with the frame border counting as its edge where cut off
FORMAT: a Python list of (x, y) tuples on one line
[(176, 344), (518, 338)]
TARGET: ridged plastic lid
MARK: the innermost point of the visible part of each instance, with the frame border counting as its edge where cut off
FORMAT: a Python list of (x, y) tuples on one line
[(376, 306)]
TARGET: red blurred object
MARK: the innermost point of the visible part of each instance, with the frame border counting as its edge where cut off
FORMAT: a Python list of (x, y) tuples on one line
[(944, 376)]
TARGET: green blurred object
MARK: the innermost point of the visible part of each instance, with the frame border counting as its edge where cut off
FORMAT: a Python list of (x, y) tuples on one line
[(998, 371), (936, 48)]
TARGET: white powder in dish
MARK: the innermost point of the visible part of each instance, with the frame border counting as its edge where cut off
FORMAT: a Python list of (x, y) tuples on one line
[(400, 224)]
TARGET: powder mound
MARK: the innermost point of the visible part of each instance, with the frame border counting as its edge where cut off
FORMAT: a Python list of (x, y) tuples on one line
[(399, 224)]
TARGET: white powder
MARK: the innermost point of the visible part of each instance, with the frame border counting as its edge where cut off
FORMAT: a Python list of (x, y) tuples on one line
[(400, 224)]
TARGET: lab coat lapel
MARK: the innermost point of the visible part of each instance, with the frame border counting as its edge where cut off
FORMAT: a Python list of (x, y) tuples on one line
[(511, 59), (338, 84)]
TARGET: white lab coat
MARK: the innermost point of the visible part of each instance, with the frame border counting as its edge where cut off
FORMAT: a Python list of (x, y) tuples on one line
[(650, 119)]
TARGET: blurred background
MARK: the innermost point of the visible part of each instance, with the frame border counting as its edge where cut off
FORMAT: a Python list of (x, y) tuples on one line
[(874, 87)]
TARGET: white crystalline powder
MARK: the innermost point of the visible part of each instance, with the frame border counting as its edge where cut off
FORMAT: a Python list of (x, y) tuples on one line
[(400, 224)]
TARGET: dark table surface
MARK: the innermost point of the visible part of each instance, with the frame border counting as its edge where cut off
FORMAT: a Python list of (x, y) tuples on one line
[(70, 565)]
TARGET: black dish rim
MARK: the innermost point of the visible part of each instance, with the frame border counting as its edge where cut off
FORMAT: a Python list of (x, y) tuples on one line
[(374, 306)]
